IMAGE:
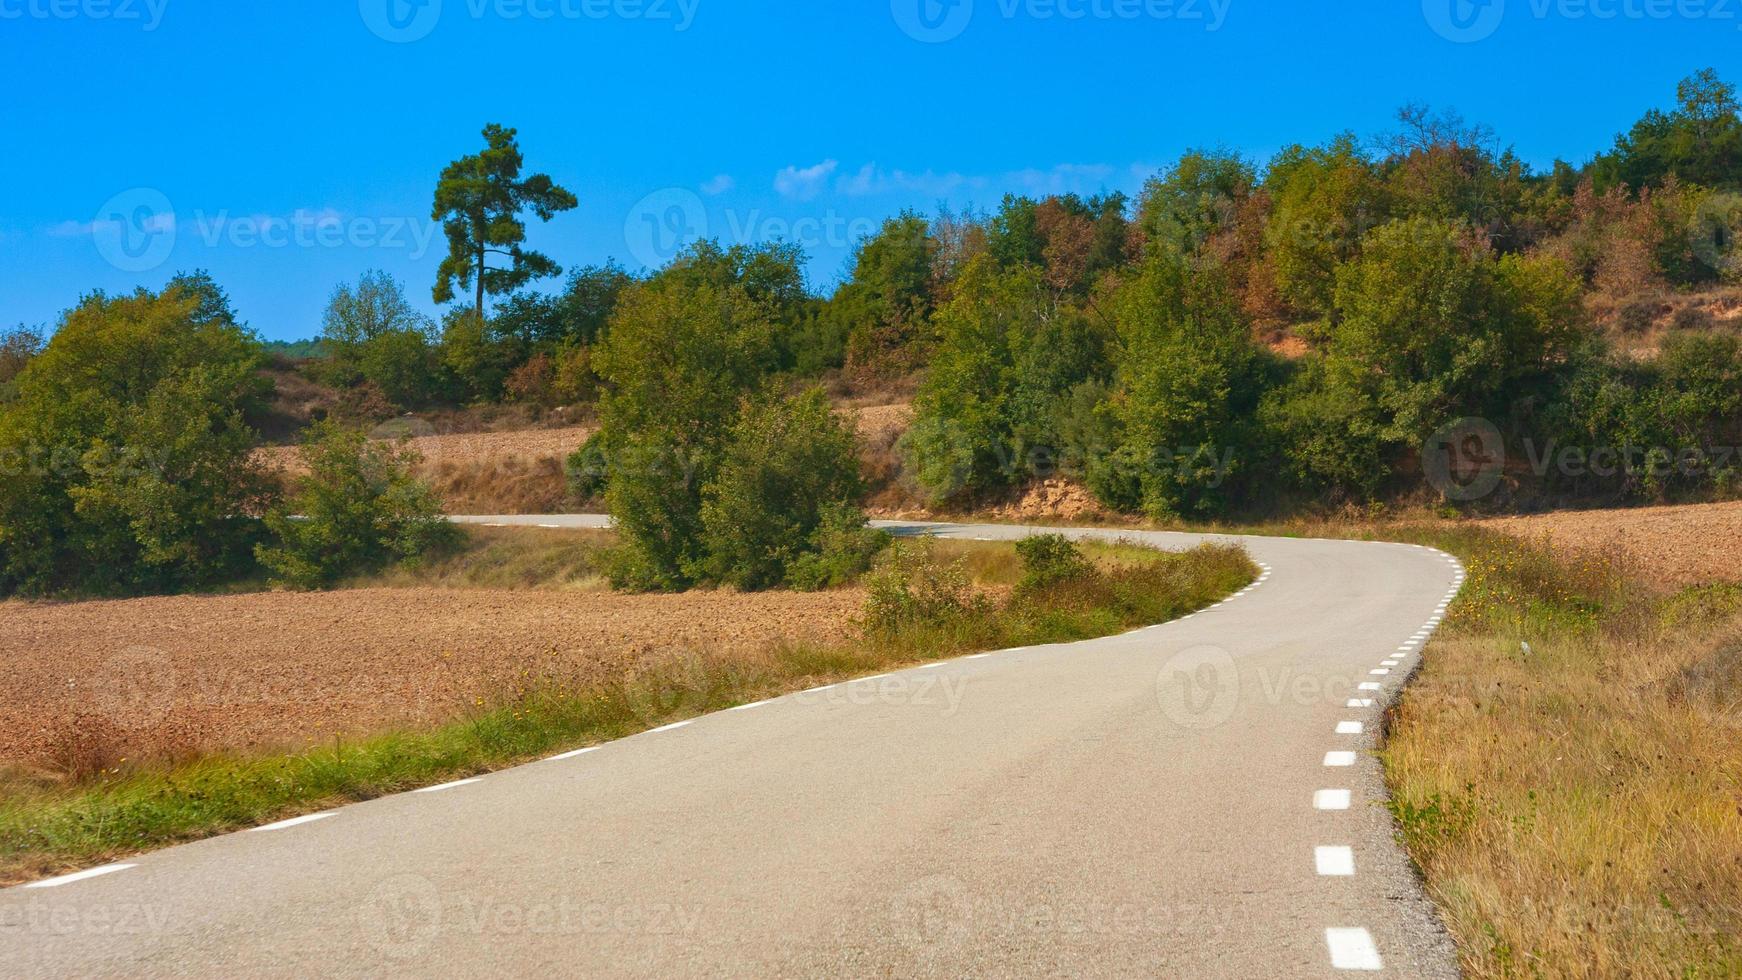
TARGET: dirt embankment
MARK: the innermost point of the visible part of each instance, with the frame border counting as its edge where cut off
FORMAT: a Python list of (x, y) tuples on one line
[(519, 472), (179, 675), (1675, 546)]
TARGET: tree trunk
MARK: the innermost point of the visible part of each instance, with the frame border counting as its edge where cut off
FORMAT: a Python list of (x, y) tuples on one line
[(478, 274)]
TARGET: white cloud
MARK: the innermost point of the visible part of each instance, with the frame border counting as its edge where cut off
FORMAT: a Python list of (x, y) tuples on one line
[(1065, 178), (806, 183), (718, 185)]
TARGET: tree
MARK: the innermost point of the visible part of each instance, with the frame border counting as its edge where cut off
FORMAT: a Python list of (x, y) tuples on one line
[(479, 200), (17, 347), (577, 315), (786, 464), (372, 333), (1324, 201), (1186, 383), (1008, 356), (1431, 325), (126, 456), (677, 358), (357, 509), (880, 315), (1193, 200), (1699, 141)]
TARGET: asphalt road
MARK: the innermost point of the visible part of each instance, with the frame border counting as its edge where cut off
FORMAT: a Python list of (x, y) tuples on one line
[(1197, 799)]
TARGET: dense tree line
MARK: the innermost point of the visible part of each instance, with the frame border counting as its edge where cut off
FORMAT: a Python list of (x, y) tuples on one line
[(1238, 339)]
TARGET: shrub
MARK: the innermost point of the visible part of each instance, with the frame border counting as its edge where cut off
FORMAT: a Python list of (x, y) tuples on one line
[(841, 549), (357, 510), (786, 461), (125, 459), (1691, 318), (912, 587), (1637, 317), (1048, 559)]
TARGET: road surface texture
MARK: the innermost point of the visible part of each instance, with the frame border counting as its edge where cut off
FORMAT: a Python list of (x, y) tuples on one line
[(1196, 799)]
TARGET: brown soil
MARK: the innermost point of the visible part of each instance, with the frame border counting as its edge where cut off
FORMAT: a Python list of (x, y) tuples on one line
[(179, 675), (1683, 545)]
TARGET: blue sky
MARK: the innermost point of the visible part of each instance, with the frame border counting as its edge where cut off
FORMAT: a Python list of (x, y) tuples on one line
[(286, 146)]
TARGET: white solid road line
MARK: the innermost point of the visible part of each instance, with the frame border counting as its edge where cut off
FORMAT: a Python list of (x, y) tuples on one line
[(1331, 799), (573, 755), (1353, 949), (1339, 759), (674, 726), (80, 876), (292, 822), (446, 786), (1335, 861)]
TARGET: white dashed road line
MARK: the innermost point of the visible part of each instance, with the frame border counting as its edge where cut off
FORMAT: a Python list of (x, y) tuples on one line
[(456, 784), (1353, 949), (1331, 799), (1339, 759), (1335, 861), (80, 876), (292, 822)]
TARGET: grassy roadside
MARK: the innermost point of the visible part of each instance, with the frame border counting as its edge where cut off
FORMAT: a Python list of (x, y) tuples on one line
[(1566, 768), (48, 829)]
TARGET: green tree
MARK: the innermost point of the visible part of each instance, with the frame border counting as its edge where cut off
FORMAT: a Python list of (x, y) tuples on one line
[(357, 510), (479, 200), (1324, 201), (1008, 356), (878, 318), (372, 333), (1699, 141), (680, 353), (786, 464), (1431, 325), (125, 459), (1187, 379), (1195, 199), (17, 347)]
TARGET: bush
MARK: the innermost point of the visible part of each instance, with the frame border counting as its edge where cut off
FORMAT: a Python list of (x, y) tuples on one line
[(125, 459), (912, 587), (1691, 319), (1048, 559), (357, 510), (1637, 317), (787, 460), (841, 549)]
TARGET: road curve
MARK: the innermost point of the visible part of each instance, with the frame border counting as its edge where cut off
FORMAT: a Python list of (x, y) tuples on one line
[(1196, 799)]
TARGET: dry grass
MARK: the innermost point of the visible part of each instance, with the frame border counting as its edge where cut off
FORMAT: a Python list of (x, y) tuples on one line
[(1576, 807)]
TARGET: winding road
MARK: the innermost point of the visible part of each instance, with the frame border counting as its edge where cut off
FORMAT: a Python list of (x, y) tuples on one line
[(1196, 799)]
